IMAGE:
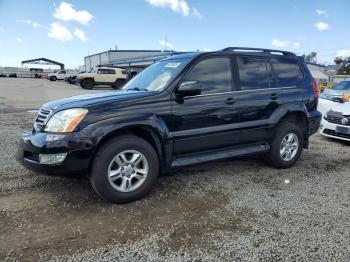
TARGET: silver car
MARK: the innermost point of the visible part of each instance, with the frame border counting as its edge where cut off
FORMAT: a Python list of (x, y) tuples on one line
[(336, 93)]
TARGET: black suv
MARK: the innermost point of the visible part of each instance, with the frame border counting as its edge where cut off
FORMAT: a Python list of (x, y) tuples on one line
[(180, 111)]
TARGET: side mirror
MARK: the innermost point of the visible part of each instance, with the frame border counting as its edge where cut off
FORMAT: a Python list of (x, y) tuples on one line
[(189, 88)]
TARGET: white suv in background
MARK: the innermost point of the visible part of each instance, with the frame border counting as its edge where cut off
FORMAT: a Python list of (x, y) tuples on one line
[(114, 77), (60, 75)]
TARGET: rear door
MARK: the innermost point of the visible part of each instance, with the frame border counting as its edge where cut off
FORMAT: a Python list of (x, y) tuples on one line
[(265, 85), (258, 97), (207, 121)]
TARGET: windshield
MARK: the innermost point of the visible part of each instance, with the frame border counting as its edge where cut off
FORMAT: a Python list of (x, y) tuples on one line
[(157, 76), (344, 85)]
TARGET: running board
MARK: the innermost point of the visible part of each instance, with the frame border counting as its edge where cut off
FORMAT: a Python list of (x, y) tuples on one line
[(212, 156)]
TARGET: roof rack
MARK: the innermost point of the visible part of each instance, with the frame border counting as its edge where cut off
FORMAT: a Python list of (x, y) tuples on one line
[(259, 50)]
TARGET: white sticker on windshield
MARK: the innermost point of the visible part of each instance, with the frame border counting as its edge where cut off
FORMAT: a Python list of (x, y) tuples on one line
[(172, 65)]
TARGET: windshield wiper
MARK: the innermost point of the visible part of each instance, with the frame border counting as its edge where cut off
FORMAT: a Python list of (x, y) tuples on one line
[(136, 89)]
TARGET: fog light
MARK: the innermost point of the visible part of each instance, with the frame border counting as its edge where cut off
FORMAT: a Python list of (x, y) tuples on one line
[(52, 159)]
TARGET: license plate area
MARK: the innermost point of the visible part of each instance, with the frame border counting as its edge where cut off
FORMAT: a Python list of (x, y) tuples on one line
[(342, 130)]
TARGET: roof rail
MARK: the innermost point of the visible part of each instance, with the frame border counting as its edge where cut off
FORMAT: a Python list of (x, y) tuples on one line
[(258, 49)]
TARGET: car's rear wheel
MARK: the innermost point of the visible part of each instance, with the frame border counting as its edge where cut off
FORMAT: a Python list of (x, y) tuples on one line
[(87, 84), (286, 145), (124, 169), (119, 83)]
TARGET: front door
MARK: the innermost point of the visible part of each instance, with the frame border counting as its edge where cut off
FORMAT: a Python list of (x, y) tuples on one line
[(206, 121)]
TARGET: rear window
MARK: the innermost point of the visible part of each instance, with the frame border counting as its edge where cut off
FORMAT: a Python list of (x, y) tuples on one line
[(253, 73), (288, 72)]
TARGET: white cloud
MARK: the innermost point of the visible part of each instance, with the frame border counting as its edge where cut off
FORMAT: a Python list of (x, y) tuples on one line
[(30, 22), (60, 32), (206, 49), (167, 44), (80, 34), (343, 53), (321, 26), (285, 43), (19, 40), (322, 12), (178, 6), (66, 12), (196, 13)]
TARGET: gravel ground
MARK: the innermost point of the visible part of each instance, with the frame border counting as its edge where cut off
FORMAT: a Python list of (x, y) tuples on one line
[(230, 210)]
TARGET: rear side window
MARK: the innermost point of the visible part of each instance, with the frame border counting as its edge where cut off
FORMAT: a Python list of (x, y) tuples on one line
[(107, 71), (253, 73), (214, 75), (288, 72)]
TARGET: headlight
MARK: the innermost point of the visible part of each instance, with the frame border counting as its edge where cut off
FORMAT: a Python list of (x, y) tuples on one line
[(66, 121)]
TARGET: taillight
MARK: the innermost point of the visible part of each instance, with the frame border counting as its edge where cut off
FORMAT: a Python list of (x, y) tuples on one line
[(315, 87)]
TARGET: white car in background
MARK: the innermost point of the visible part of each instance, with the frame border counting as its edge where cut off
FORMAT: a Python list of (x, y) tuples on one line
[(336, 121), (60, 75)]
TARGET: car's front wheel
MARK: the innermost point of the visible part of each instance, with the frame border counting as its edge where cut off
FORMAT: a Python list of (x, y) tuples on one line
[(286, 145), (124, 169)]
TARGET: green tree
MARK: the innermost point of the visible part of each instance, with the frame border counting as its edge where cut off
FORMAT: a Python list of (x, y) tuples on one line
[(310, 58), (344, 65)]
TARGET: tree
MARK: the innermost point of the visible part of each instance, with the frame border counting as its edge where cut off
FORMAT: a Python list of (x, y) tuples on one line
[(310, 58), (344, 65)]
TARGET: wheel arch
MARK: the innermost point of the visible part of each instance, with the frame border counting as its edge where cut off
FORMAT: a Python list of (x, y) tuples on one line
[(298, 114), (147, 132)]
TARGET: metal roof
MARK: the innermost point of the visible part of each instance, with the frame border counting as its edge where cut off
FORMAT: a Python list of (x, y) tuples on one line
[(43, 61)]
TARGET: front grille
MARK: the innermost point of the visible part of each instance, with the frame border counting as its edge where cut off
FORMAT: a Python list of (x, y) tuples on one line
[(337, 120), (41, 118), (333, 133)]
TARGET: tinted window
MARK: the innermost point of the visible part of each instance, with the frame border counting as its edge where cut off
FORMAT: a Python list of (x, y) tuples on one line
[(287, 71), (345, 85), (106, 71), (253, 73), (214, 75)]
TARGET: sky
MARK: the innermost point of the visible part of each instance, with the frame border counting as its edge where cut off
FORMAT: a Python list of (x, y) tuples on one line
[(67, 31)]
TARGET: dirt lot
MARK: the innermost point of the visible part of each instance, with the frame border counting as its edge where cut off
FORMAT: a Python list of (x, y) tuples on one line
[(230, 210)]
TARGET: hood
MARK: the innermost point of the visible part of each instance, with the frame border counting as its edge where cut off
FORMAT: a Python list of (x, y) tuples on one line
[(343, 108), (91, 99)]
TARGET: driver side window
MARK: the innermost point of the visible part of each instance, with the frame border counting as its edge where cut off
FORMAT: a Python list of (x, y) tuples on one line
[(214, 75)]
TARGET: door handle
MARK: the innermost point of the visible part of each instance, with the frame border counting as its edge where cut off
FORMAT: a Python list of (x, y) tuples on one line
[(274, 96), (230, 101)]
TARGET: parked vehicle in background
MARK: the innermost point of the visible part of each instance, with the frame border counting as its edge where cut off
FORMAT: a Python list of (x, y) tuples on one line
[(114, 77), (71, 79), (338, 91), (60, 75), (12, 74), (336, 122), (2, 74), (183, 110)]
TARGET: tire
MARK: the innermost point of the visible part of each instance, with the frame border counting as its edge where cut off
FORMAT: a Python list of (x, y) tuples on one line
[(280, 158), (106, 161), (119, 83), (53, 78), (87, 84)]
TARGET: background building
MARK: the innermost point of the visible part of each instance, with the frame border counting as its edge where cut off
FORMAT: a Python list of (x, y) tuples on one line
[(124, 57)]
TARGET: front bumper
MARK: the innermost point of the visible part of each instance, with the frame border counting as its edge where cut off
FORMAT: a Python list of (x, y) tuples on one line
[(79, 151), (329, 129)]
